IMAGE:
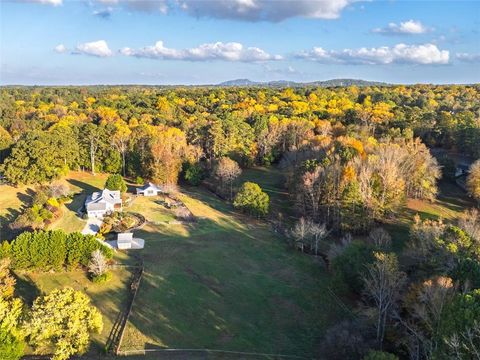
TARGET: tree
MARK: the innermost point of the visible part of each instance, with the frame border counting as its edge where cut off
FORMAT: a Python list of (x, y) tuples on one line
[(121, 139), (252, 200), (473, 180), (11, 336), (63, 320), (98, 264), (7, 281), (383, 282), (167, 148), (34, 159), (116, 182), (380, 238), (227, 170)]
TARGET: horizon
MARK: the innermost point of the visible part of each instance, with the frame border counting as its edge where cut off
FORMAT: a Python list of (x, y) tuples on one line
[(179, 43)]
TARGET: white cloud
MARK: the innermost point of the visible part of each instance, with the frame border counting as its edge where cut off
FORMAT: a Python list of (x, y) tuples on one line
[(400, 53), (264, 10), (231, 51), (466, 57), (246, 10), (60, 49), (95, 48), (410, 27), (45, 2)]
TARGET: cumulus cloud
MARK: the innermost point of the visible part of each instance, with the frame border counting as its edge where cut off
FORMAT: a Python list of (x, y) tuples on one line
[(466, 57), (245, 10), (410, 27), (264, 10), (426, 54), (231, 51), (95, 48), (60, 48)]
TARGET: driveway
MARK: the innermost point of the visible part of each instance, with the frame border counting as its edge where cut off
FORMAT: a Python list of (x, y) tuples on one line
[(92, 226)]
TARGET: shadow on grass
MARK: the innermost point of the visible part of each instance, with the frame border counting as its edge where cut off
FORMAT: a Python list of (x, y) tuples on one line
[(26, 289), (223, 287)]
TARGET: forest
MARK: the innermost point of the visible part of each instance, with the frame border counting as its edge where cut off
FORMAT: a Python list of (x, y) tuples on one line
[(350, 160)]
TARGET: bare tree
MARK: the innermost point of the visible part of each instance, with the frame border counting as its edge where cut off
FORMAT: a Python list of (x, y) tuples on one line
[(98, 264), (300, 232), (383, 282), (380, 238), (470, 223), (58, 189), (336, 249), (227, 171), (318, 232), (465, 345)]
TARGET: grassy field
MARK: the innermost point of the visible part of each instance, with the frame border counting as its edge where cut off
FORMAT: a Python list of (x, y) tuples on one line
[(227, 283), (109, 297)]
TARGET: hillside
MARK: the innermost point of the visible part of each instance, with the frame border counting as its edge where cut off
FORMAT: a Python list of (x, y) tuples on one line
[(285, 83)]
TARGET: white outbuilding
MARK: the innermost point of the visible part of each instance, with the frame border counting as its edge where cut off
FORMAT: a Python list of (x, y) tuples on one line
[(149, 189), (124, 240)]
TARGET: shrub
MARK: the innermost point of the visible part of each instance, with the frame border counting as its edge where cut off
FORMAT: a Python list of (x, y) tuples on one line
[(349, 266), (193, 173), (116, 182), (139, 180), (107, 276), (45, 250), (252, 200)]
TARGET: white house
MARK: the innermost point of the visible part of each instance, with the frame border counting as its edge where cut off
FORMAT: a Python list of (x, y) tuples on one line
[(149, 189), (102, 203), (124, 240)]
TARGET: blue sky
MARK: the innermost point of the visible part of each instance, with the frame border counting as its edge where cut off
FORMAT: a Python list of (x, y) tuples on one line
[(209, 41)]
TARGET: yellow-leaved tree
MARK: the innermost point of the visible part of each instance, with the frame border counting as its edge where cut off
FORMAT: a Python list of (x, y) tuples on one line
[(62, 321)]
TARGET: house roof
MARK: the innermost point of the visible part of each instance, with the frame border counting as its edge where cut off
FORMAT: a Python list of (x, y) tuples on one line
[(124, 237), (150, 186), (99, 200)]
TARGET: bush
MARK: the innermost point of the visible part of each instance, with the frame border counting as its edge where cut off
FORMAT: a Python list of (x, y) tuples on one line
[(139, 180), (116, 182), (252, 200), (349, 266), (107, 276), (193, 173), (46, 250), (11, 348)]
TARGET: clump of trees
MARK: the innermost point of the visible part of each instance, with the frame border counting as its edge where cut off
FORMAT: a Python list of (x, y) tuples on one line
[(45, 250), (252, 200), (350, 185)]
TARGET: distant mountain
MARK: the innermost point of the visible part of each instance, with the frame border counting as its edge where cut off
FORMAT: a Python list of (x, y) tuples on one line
[(286, 83)]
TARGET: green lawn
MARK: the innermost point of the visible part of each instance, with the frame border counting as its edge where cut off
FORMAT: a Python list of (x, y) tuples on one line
[(151, 209), (109, 297), (228, 283)]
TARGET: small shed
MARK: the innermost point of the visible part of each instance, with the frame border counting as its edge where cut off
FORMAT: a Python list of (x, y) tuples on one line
[(149, 189), (124, 240)]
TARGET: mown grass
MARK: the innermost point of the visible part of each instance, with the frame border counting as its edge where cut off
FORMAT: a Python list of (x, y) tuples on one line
[(109, 297), (228, 283)]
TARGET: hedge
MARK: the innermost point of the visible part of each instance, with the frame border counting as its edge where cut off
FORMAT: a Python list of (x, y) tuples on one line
[(52, 250)]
